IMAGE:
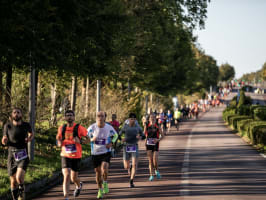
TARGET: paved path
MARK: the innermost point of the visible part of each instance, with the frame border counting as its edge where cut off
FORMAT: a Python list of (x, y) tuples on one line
[(203, 160)]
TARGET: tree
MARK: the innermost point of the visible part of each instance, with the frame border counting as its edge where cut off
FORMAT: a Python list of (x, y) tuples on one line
[(226, 72)]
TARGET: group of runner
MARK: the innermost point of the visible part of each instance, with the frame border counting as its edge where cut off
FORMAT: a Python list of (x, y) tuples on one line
[(101, 135)]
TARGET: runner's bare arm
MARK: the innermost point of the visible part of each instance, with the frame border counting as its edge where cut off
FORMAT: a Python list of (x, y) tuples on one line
[(30, 137), (4, 140)]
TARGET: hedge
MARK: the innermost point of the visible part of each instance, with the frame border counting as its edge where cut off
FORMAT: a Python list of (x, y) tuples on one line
[(260, 113), (241, 125), (233, 120)]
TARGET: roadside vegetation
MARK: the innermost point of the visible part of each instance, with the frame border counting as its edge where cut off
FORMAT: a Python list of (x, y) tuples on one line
[(248, 120)]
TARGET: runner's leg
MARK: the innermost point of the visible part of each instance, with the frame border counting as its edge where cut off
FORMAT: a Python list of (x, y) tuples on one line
[(150, 158), (14, 186), (66, 181)]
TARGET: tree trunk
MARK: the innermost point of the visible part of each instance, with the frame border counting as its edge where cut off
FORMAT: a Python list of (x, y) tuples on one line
[(39, 85), (98, 96), (83, 96), (73, 93), (53, 99), (1, 91), (8, 89), (32, 109), (87, 98), (129, 89)]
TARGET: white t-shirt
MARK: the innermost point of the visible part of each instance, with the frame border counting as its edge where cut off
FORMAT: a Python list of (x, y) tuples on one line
[(103, 136)]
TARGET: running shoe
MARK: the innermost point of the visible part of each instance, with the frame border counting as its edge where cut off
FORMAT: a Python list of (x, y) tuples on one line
[(151, 178), (158, 175), (100, 194), (132, 184), (21, 193), (77, 190), (105, 188)]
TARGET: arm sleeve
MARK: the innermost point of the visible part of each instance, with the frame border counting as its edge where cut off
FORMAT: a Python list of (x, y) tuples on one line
[(115, 137), (122, 130)]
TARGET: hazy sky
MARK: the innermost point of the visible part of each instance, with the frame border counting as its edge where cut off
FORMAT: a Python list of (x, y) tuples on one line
[(235, 32)]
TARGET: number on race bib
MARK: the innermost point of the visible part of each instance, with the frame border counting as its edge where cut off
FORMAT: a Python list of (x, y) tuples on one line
[(71, 148), (20, 155), (131, 148), (151, 141)]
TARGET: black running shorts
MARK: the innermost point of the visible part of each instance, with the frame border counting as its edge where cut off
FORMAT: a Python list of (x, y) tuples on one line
[(98, 159), (153, 147), (72, 163)]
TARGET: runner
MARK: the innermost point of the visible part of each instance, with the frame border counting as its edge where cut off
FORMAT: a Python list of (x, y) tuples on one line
[(132, 134), (169, 120), (177, 118), (69, 138), (101, 143), (16, 135), (115, 123), (162, 121), (153, 136)]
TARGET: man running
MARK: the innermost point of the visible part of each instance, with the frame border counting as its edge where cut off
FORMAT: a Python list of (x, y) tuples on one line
[(100, 135), (153, 136), (130, 150), (16, 135), (69, 139)]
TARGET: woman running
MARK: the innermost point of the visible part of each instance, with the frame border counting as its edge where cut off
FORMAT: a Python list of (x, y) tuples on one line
[(153, 136)]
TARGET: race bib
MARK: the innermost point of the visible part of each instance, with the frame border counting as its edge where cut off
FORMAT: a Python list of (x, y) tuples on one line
[(151, 141), (100, 142), (20, 155), (131, 148), (71, 148)]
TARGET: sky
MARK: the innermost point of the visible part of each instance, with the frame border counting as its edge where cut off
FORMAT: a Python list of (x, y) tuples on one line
[(235, 33)]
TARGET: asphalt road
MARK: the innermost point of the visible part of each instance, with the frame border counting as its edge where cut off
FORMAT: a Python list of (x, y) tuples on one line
[(203, 160)]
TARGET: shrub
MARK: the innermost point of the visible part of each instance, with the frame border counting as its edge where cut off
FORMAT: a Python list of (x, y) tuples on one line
[(252, 129), (228, 111), (260, 113), (255, 136), (241, 100), (241, 126), (261, 135), (253, 107), (243, 110), (234, 120)]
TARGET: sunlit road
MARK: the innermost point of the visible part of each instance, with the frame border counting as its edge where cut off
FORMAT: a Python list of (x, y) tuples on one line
[(203, 160)]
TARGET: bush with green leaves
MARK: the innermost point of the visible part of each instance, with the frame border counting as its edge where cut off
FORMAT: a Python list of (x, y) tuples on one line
[(253, 107), (242, 126), (228, 111), (235, 119), (261, 136), (260, 113), (243, 110), (252, 128), (254, 132)]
